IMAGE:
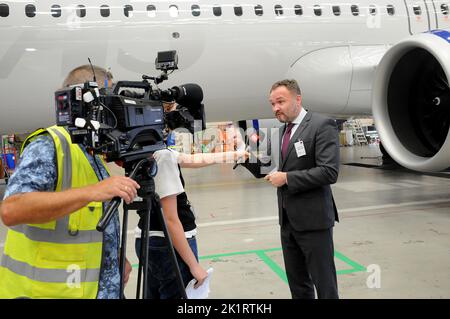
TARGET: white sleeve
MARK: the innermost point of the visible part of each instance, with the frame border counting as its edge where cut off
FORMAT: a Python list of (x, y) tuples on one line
[(167, 179)]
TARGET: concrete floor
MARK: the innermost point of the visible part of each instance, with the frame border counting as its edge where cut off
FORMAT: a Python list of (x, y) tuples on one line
[(394, 224)]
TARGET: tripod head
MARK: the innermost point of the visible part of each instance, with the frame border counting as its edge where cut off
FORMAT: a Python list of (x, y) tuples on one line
[(142, 171)]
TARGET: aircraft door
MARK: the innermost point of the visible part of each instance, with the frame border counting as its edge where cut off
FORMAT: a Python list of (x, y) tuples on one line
[(432, 13), (419, 16), (442, 13)]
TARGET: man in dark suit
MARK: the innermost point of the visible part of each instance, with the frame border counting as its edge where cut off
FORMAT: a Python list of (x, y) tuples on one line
[(309, 163)]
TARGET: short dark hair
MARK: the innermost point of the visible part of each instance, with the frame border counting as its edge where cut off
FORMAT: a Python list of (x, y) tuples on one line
[(83, 74), (291, 85)]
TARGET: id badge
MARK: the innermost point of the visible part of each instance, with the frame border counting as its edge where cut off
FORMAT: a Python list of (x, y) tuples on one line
[(300, 149)]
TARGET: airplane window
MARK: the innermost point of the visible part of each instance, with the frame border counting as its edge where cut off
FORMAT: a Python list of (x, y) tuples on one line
[(444, 9), (81, 11), (4, 10), (173, 11), (317, 10), (298, 10), (417, 10), (195, 10), (104, 11), (151, 11), (56, 11), (373, 9), (238, 11), (390, 9), (259, 11), (337, 10), (128, 11), (355, 10), (30, 10), (278, 10), (217, 10)]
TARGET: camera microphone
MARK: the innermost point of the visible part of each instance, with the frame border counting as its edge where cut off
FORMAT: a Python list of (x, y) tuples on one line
[(188, 94), (253, 138), (240, 159)]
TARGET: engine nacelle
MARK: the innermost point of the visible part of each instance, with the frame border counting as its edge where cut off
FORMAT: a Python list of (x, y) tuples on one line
[(411, 101)]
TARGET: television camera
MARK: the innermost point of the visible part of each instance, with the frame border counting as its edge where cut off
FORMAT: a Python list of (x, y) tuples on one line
[(127, 122)]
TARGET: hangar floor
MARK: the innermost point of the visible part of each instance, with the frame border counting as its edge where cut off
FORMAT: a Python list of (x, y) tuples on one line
[(393, 240)]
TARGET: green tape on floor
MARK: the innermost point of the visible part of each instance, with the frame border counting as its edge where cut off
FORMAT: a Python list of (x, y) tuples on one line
[(355, 267), (272, 265)]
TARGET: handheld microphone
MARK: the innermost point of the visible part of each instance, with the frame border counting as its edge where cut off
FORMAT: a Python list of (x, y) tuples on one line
[(247, 149), (254, 138)]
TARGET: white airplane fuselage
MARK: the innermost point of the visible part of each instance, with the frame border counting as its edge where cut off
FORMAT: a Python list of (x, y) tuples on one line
[(234, 58), (234, 53)]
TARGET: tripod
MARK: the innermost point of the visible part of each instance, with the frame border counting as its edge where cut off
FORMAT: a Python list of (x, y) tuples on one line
[(142, 172)]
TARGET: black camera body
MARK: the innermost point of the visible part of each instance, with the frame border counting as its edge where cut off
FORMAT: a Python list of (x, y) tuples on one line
[(127, 122), (70, 105)]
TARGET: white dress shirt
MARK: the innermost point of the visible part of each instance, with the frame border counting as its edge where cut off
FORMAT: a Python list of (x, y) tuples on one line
[(298, 121)]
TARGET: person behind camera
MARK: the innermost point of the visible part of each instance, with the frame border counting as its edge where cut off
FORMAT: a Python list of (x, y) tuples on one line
[(180, 219), (52, 205)]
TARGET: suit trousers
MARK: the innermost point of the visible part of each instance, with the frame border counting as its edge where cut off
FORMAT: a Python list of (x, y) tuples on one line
[(309, 262)]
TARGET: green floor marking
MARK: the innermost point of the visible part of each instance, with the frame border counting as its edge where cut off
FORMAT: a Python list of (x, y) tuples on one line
[(355, 266), (248, 252), (276, 268), (273, 265)]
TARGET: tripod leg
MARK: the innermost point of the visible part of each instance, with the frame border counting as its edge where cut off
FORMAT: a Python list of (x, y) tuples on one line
[(145, 243), (123, 252), (141, 264), (170, 246)]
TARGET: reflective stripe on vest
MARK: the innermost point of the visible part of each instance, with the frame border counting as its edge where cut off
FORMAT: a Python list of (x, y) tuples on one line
[(60, 234), (39, 260), (44, 274)]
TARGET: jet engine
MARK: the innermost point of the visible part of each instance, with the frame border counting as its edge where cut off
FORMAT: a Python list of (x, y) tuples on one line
[(411, 101)]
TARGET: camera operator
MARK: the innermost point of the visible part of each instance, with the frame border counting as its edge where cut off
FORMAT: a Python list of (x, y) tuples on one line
[(180, 218), (52, 206)]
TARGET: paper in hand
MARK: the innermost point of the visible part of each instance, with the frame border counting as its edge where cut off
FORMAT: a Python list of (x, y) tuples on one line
[(201, 292)]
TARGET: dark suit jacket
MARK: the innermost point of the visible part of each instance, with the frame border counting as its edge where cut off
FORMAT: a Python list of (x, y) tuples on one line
[(307, 197)]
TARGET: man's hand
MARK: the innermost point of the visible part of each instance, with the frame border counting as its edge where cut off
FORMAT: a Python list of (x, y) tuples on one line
[(126, 274), (277, 179), (115, 186)]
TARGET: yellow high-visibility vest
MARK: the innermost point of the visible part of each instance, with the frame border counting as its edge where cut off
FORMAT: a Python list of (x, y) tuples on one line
[(61, 258)]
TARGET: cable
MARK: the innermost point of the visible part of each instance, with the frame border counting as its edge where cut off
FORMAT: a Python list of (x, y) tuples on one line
[(115, 118)]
